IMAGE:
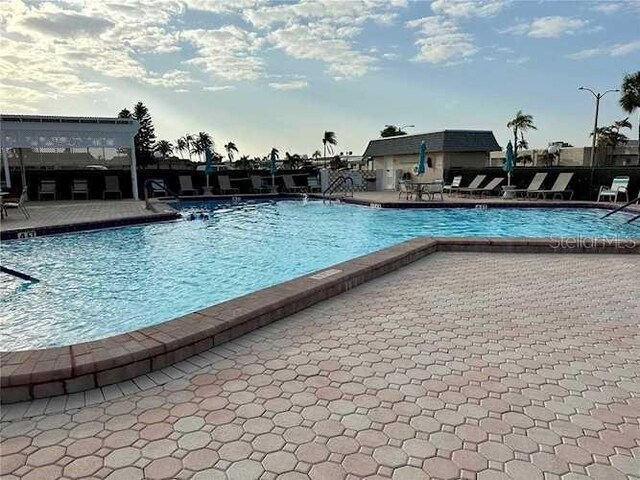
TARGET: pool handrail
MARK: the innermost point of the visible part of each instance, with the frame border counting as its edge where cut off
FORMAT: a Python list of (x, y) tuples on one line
[(338, 182), (163, 185), (637, 199)]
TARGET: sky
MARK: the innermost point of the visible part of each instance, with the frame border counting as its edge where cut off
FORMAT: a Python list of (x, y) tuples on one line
[(278, 74)]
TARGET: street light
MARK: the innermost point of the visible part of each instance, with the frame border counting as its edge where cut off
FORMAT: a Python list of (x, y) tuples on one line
[(406, 126), (597, 96)]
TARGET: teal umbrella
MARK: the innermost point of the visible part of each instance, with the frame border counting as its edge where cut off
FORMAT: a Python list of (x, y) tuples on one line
[(273, 170), (509, 163), (422, 159), (208, 167)]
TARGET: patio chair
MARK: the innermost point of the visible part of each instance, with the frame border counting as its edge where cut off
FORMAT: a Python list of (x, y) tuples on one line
[(47, 188), (619, 186), (313, 184), (455, 183), (186, 185), (158, 187), (80, 187), (257, 184), (111, 186), (486, 190), (406, 189), (535, 184), (20, 204), (558, 189), (433, 189), (291, 186), (225, 185)]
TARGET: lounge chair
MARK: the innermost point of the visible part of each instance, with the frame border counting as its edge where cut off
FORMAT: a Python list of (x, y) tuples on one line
[(487, 189), (313, 185), (19, 204), (158, 187), (619, 186), (111, 187), (535, 184), (291, 186), (558, 189), (47, 188), (80, 187), (186, 185), (455, 183), (225, 185), (406, 189), (475, 183), (257, 184)]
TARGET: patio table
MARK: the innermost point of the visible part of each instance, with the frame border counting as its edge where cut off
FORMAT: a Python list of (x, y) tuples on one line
[(421, 188)]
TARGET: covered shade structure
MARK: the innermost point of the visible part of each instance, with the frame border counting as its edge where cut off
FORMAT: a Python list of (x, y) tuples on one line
[(46, 132)]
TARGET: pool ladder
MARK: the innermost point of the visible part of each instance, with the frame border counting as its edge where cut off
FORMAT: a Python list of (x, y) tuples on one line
[(150, 182), (342, 180), (635, 200)]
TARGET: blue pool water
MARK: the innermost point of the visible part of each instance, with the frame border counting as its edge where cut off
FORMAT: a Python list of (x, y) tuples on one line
[(100, 283)]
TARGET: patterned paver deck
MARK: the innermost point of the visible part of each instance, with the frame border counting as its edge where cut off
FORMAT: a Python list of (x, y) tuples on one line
[(51, 214), (484, 366)]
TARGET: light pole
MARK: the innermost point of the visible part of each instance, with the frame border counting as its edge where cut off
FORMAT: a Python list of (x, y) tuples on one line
[(597, 96), (406, 126)]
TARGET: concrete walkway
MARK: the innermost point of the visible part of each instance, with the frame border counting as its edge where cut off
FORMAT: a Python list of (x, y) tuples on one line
[(475, 366)]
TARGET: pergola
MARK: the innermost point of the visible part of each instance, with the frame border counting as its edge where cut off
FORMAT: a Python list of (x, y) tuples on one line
[(41, 131)]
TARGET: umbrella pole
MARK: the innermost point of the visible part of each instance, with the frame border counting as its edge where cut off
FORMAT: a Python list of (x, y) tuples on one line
[(273, 183), (508, 179)]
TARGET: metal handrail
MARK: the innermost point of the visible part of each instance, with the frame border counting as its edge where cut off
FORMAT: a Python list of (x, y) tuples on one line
[(623, 207), (17, 274), (151, 181), (333, 186)]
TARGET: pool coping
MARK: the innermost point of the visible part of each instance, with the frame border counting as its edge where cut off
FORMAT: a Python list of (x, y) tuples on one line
[(33, 374)]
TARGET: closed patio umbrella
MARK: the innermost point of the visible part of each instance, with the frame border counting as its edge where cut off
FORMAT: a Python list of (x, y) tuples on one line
[(422, 159), (208, 168), (509, 163), (273, 171)]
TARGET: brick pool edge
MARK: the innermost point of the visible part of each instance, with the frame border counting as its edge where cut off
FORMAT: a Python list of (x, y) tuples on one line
[(33, 374)]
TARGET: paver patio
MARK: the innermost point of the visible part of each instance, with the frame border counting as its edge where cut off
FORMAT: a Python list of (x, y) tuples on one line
[(460, 365)]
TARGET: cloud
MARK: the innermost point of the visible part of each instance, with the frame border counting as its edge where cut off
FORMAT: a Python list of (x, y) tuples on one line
[(65, 24), (608, 8), (440, 40), (467, 8), (220, 88), (548, 27), (228, 52), (171, 79), (615, 50), (19, 99), (324, 43), (291, 85)]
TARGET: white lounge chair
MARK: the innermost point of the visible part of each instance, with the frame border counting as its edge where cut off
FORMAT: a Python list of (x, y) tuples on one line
[(47, 188), (80, 187), (475, 183), (186, 185), (313, 184), (225, 185), (535, 184), (455, 183), (19, 204), (406, 189), (111, 187), (291, 186), (158, 187), (619, 186), (257, 184), (558, 189), (487, 189)]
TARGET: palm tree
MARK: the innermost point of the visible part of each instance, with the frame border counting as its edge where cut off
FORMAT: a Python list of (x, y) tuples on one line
[(125, 113), (329, 140), (316, 155), (164, 148), (231, 148), (521, 122), (181, 145), (188, 143), (630, 98), (201, 144), (610, 137)]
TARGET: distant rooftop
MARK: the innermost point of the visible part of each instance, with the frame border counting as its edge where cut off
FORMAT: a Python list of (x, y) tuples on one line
[(442, 141), (8, 117)]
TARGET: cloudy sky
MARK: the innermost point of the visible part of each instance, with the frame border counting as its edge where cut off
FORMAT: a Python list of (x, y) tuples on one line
[(278, 74)]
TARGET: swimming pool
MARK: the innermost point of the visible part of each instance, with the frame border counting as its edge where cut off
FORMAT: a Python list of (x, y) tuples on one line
[(96, 284)]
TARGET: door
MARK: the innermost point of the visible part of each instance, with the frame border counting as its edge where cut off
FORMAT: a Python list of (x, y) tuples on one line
[(389, 174)]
